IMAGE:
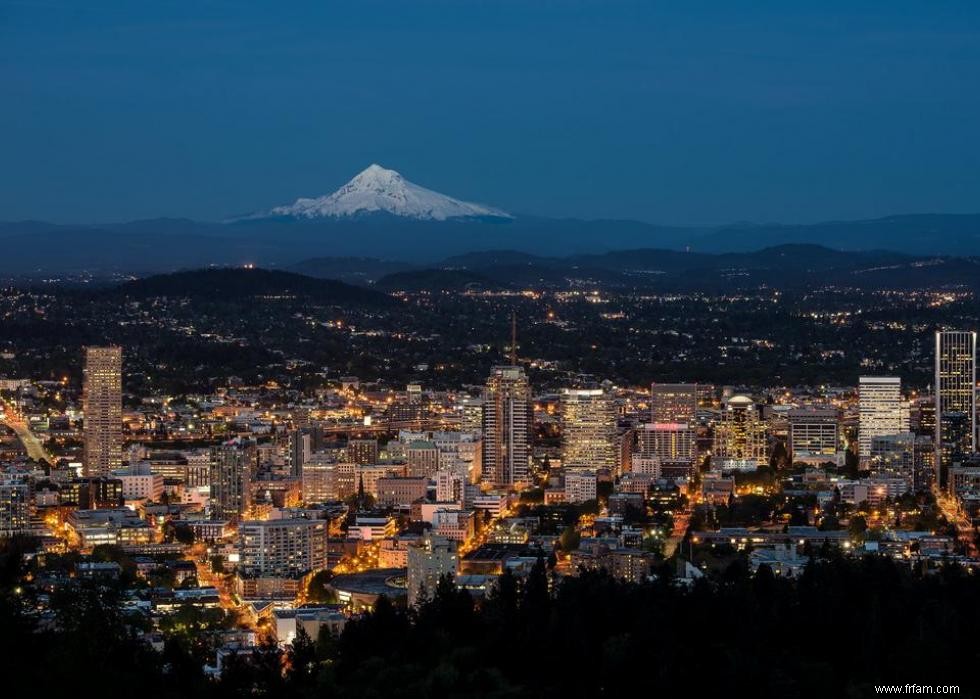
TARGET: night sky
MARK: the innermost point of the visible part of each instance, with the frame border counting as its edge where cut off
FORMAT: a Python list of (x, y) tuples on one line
[(680, 112)]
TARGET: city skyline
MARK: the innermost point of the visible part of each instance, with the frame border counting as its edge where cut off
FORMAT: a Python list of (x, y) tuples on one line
[(353, 490), (489, 348)]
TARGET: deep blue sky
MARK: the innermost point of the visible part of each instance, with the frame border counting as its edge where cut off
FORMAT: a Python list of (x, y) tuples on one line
[(679, 112)]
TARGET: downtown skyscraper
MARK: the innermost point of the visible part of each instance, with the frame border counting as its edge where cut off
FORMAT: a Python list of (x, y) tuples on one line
[(674, 403), (102, 405), (233, 466), (740, 441), (507, 425), (956, 401), (588, 424), (882, 411)]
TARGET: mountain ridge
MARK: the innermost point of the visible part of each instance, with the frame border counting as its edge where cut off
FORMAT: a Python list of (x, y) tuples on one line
[(783, 266), (238, 283), (37, 248)]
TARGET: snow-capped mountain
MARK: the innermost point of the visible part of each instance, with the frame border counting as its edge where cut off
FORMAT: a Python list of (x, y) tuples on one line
[(377, 189)]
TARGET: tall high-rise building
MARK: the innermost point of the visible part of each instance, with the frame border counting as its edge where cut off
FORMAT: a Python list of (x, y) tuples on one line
[(924, 456), (674, 402), (668, 442), (233, 467), (956, 399), (625, 446), (300, 448), (588, 423), (507, 425), (923, 416), (102, 404), (882, 411), (741, 440)]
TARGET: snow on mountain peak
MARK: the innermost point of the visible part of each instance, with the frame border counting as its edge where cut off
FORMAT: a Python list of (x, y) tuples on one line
[(378, 189)]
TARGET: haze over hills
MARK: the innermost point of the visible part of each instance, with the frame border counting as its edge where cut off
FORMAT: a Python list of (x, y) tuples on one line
[(946, 234), (793, 266), (382, 215), (366, 282)]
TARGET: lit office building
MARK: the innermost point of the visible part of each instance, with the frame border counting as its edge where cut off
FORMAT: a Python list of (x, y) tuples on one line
[(924, 462), (428, 561), (665, 449), (922, 416), (507, 425), (102, 405), (881, 412), (300, 447), (283, 548), (409, 409), (814, 434), (893, 456), (422, 457), (740, 436), (320, 479), (471, 414), (580, 486), (956, 400), (367, 476), (451, 485), (674, 402), (14, 507), (401, 490), (362, 451), (233, 466), (588, 423)]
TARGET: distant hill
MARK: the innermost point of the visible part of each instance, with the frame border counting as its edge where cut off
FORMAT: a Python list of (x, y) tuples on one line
[(242, 283), (127, 248), (794, 256), (437, 280), (922, 234), (353, 270), (487, 258), (792, 266), (35, 248), (365, 281)]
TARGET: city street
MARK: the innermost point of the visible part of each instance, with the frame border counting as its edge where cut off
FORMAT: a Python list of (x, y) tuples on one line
[(10, 418)]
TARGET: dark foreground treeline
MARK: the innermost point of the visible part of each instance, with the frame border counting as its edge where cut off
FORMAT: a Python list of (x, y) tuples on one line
[(842, 628)]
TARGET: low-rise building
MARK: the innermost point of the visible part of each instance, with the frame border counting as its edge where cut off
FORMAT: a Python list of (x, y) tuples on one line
[(428, 560), (580, 486)]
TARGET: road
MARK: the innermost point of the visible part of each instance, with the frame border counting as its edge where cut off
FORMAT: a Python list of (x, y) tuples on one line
[(681, 520), (32, 444), (964, 528)]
